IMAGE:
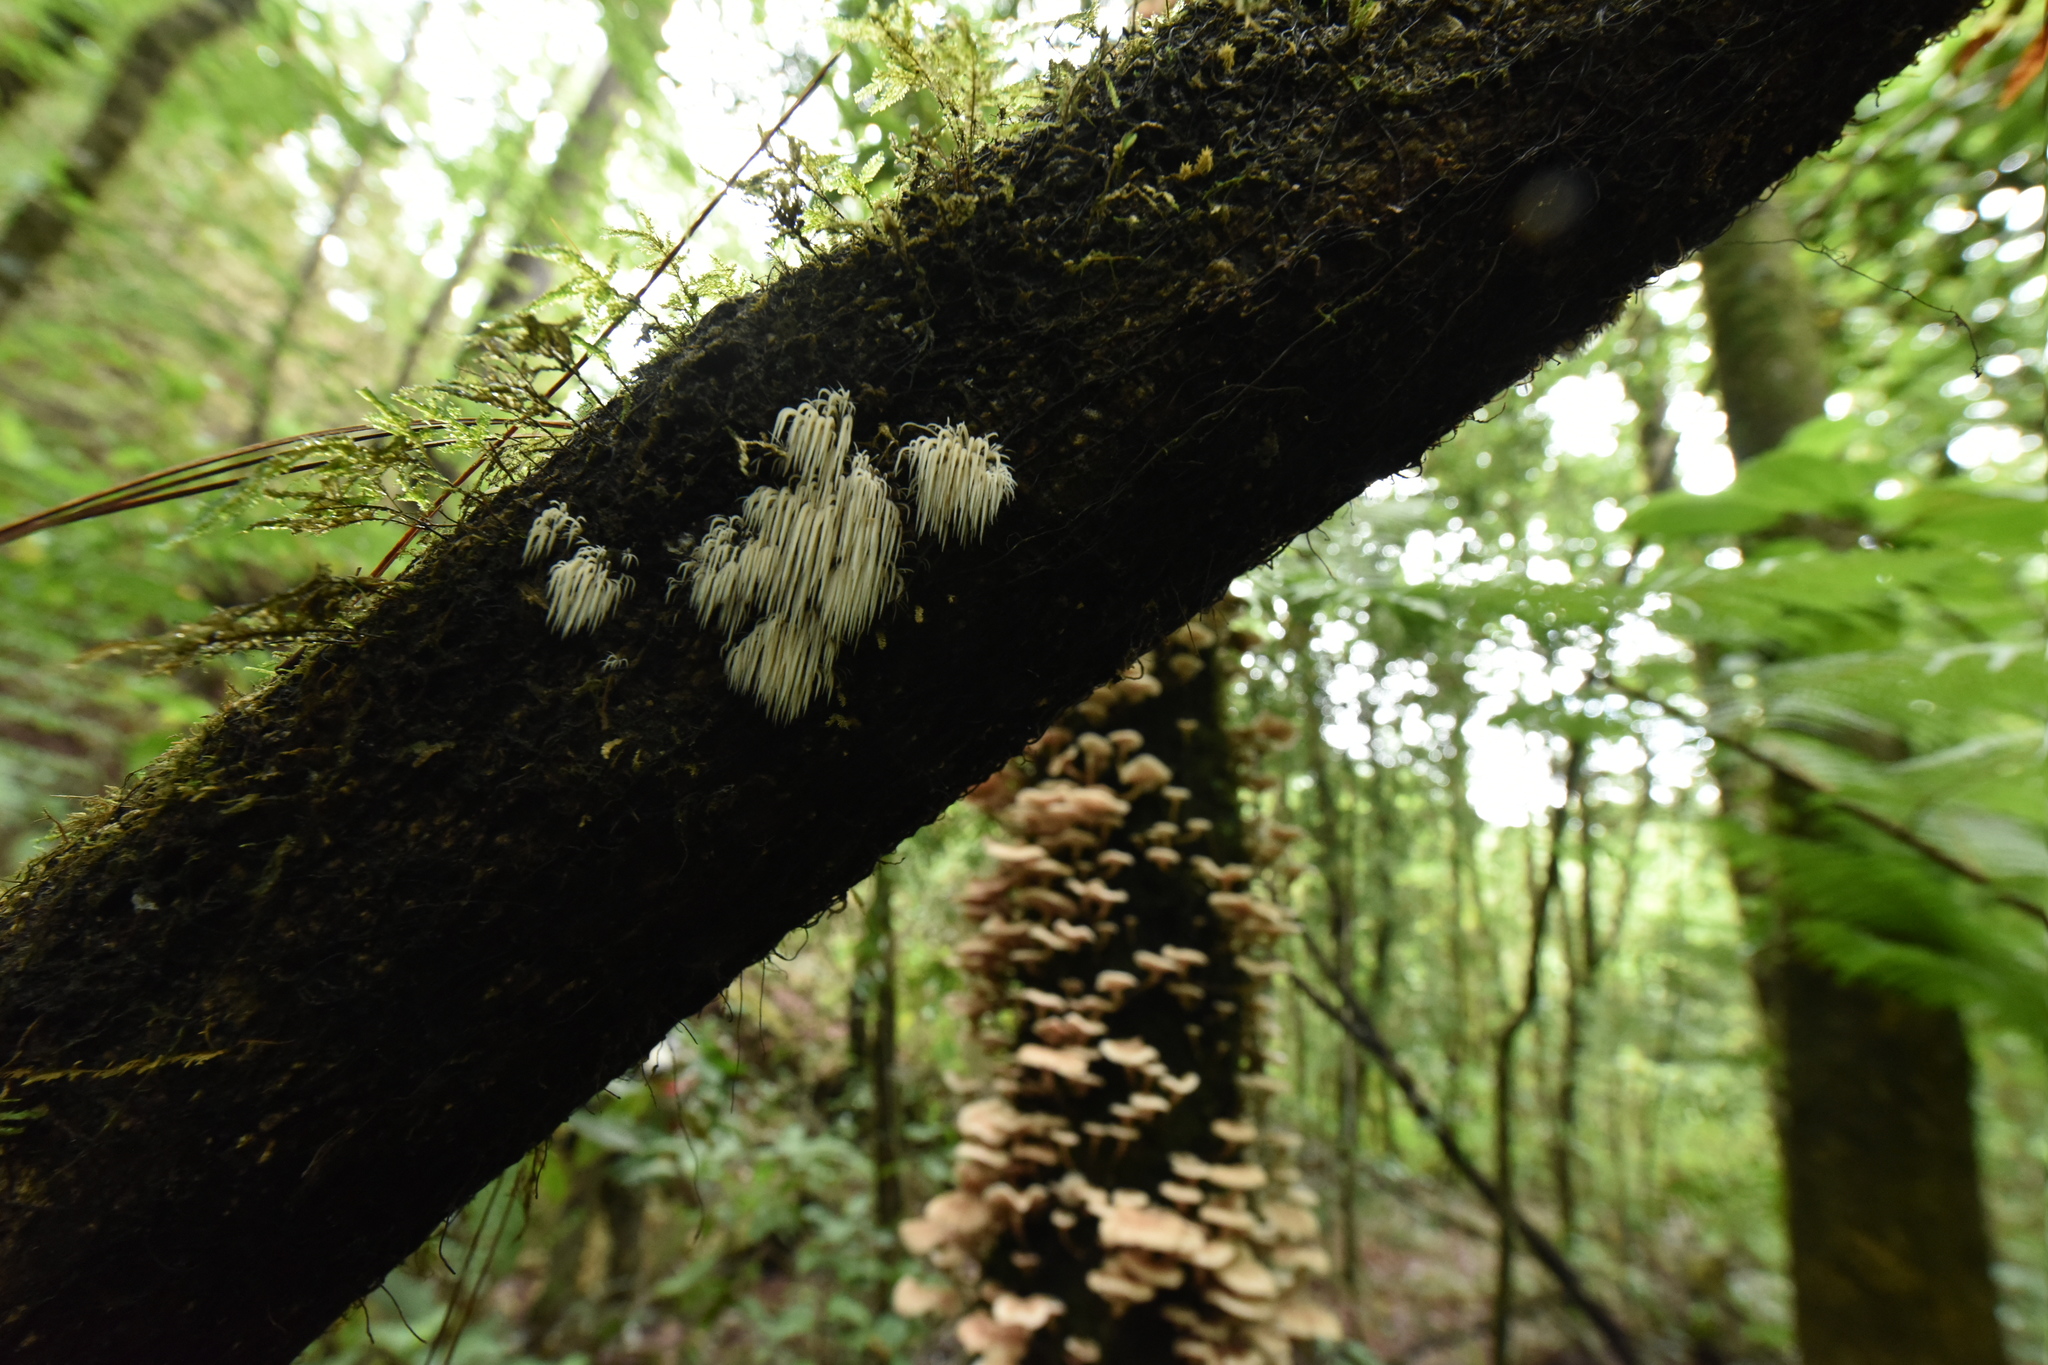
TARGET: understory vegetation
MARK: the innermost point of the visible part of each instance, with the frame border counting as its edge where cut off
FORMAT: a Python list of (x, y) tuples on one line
[(1501, 707)]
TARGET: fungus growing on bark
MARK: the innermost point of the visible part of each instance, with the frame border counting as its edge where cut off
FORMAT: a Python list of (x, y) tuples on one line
[(1145, 773), (960, 482), (913, 1298), (1170, 1023), (553, 526), (810, 565), (583, 592)]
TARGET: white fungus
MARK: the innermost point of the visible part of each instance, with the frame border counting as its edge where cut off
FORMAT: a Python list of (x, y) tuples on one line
[(960, 482), (553, 526), (583, 592), (805, 568)]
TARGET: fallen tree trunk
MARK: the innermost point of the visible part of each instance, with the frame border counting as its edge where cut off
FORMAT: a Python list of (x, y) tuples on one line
[(339, 958)]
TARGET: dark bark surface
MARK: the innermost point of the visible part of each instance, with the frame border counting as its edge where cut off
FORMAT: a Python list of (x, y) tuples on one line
[(43, 223), (343, 955), (1891, 1260), (1891, 1264)]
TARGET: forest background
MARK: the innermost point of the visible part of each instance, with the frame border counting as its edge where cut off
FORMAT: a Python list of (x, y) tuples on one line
[(1517, 674)]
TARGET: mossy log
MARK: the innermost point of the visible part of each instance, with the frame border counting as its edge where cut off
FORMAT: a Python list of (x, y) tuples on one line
[(343, 955)]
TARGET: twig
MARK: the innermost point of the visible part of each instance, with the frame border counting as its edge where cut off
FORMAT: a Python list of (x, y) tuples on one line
[(1883, 825), (575, 370), (1348, 1014), (211, 472)]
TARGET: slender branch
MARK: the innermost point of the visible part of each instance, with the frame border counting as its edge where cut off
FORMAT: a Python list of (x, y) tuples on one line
[(1350, 1015)]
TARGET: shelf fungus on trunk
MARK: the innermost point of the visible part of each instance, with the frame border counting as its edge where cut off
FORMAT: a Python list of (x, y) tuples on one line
[(1116, 1195)]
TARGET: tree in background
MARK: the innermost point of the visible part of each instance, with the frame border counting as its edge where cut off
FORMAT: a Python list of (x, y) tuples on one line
[(1118, 1195), (1890, 1260), (42, 224)]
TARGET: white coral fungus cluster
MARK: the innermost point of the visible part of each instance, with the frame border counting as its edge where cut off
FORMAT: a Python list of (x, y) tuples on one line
[(583, 592), (959, 481), (807, 567), (554, 526)]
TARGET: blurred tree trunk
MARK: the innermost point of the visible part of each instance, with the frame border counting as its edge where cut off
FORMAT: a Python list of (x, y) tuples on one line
[(1135, 1075), (263, 391), (1891, 1261), (1542, 893), (342, 955), (1332, 827), (36, 46), (43, 223), (878, 953)]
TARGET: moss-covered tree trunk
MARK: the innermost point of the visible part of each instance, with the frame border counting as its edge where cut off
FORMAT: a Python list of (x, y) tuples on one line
[(1891, 1262), (341, 956)]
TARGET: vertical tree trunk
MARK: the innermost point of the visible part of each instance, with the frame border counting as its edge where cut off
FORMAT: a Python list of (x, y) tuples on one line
[(45, 220), (1891, 1260), (1333, 833), (1541, 895), (1115, 1193), (887, 1136), (573, 179), (36, 46)]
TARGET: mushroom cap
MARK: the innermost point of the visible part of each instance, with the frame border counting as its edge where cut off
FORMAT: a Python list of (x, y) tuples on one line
[(1145, 773), (1183, 1085), (1126, 742), (1184, 1195), (1012, 853), (1132, 1052), (977, 1154), (1030, 1312), (1151, 1229), (1247, 1277), (1243, 1176), (1232, 1219), (1149, 1103), (961, 1214), (1159, 1272), (1162, 857), (1114, 860), (1237, 1132), (1019, 1202), (1306, 1320), (1044, 1000), (1194, 957), (1112, 981), (992, 1341), (1083, 1351), (1074, 1062), (1186, 1165), (992, 1121), (1290, 1222), (1245, 1310), (1119, 1291), (1310, 1260), (913, 1298)]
